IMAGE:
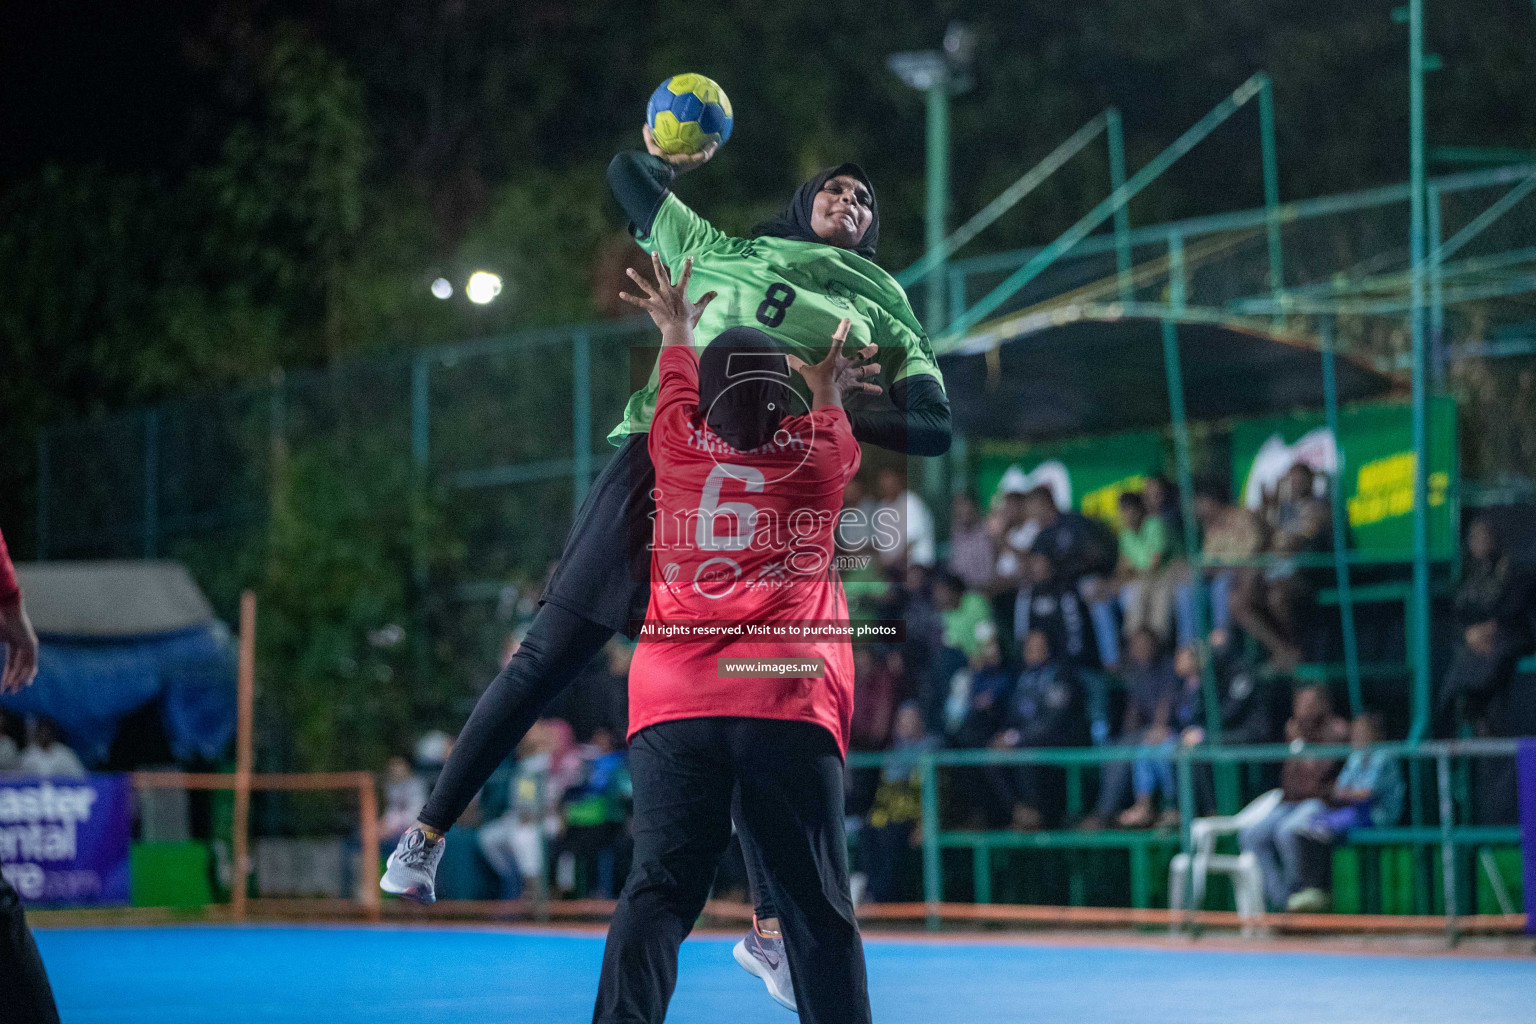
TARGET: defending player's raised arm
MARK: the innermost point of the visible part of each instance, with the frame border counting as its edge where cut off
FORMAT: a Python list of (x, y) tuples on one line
[(838, 375)]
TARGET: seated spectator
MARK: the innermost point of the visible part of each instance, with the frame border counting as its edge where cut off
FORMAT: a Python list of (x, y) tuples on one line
[(514, 844), (1368, 793), (977, 693), (1152, 688), (1145, 546), (1150, 776), (1306, 784), (1049, 603), (404, 797), (904, 516), (1045, 709), (1271, 607), (1078, 546), (961, 611), (1012, 532), (1494, 605), (894, 820), (595, 811), (1229, 533), (972, 553), (1248, 714), (876, 692), (46, 756)]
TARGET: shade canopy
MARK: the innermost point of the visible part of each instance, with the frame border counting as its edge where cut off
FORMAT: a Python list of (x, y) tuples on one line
[(1096, 369)]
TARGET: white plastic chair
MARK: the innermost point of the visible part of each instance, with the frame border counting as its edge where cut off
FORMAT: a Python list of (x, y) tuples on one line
[(1243, 869)]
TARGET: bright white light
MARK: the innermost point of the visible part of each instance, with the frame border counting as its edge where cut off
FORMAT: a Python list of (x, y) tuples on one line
[(441, 289), (482, 287)]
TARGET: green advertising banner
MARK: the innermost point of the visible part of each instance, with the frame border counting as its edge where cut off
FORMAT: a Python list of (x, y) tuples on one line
[(1375, 448), (1085, 474)]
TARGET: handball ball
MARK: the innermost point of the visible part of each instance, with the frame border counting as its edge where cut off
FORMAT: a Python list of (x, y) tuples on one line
[(687, 113)]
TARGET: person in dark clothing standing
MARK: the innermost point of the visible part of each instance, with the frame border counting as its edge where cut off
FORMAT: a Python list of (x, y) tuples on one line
[(25, 996), (1494, 607), (1045, 709)]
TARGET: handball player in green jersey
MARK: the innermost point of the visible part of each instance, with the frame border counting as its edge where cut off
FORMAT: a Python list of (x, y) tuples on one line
[(792, 282)]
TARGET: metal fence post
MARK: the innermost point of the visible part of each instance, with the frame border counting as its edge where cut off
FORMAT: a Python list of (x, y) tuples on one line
[(933, 878), (1447, 844), (1340, 525)]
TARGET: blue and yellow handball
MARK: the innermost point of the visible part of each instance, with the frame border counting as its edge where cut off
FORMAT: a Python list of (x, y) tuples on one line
[(687, 113)]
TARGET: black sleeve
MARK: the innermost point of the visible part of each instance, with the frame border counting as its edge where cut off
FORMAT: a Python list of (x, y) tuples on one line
[(639, 182), (915, 421)]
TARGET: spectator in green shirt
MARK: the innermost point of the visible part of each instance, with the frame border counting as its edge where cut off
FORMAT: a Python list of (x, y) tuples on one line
[(1139, 585)]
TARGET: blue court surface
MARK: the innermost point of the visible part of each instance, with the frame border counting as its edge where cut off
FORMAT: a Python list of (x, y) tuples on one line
[(220, 975)]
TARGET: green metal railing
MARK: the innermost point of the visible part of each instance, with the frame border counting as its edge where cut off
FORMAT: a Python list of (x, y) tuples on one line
[(1439, 811)]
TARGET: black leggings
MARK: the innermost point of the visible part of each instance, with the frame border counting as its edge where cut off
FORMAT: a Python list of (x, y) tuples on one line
[(786, 778), (558, 645), (27, 998)]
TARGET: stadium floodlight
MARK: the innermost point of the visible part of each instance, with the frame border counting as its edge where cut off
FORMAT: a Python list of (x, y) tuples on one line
[(938, 74), (482, 287), (442, 289)]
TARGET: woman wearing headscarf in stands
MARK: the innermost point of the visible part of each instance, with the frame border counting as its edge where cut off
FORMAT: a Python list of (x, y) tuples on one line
[(795, 279)]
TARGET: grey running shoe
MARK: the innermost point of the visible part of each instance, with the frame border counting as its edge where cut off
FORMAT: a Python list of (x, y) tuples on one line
[(763, 957), (411, 870)]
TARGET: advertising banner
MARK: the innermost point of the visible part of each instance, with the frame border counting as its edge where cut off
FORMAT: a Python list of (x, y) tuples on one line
[(1375, 448), (1086, 475), (64, 842)]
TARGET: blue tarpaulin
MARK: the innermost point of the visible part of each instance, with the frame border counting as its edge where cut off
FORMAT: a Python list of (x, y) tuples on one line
[(88, 687), (117, 637)]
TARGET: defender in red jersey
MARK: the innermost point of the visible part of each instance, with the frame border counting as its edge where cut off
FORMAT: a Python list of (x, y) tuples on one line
[(747, 492), (743, 539)]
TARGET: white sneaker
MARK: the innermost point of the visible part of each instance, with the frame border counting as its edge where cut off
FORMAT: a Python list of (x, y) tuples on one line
[(411, 870), (763, 956)]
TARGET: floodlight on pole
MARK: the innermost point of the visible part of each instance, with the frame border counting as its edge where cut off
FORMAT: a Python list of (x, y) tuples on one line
[(938, 74), (482, 287), (442, 289)]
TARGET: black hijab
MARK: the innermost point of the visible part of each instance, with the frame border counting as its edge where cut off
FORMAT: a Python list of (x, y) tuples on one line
[(795, 222), (744, 388)]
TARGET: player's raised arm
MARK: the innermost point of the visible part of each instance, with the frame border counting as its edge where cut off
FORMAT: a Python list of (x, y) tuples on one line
[(668, 304), (642, 183), (838, 375)]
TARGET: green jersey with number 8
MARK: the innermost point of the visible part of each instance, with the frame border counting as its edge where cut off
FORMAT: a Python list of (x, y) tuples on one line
[(795, 291)]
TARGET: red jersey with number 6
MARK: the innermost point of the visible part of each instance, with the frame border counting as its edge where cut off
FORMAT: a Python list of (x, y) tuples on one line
[(741, 552)]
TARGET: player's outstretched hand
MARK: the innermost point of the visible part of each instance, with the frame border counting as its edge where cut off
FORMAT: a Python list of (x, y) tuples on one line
[(668, 303), (20, 648), (838, 375), (681, 163)]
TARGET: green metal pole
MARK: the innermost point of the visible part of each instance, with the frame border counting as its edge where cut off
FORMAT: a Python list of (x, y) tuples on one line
[(1173, 367), (581, 413), (938, 198), (421, 415), (1340, 526), (1102, 212), (1271, 187), (1436, 289), (1005, 201), (933, 878), (1116, 133), (1420, 646)]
